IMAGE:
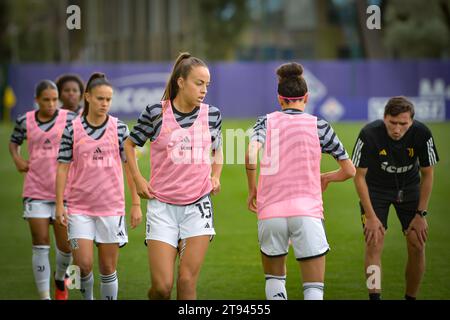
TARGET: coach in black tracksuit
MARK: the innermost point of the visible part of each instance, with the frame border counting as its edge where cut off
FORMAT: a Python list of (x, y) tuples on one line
[(394, 158)]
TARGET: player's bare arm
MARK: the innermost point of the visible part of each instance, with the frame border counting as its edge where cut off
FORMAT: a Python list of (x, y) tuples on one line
[(251, 164), (21, 163), (216, 170), (62, 172), (419, 224), (135, 211), (143, 188), (346, 171)]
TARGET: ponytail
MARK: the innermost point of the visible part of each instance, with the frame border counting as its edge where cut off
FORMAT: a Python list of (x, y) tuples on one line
[(182, 67), (171, 90)]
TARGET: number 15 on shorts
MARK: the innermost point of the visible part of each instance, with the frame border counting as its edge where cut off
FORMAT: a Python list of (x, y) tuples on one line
[(203, 207)]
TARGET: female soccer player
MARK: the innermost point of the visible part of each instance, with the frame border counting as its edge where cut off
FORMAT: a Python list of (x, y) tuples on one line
[(70, 89), (93, 146), (182, 131), (42, 129), (288, 199)]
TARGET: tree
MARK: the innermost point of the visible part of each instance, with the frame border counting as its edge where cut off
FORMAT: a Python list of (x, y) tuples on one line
[(222, 24), (5, 48), (417, 28)]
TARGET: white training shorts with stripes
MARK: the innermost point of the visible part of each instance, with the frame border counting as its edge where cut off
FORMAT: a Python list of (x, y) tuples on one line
[(171, 223), (101, 229), (306, 234)]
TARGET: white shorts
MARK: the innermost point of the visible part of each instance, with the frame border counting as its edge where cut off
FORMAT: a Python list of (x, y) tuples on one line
[(109, 229), (307, 236), (171, 223), (39, 209)]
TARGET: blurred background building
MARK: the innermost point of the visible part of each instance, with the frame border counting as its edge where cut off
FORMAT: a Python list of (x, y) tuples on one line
[(156, 30), (351, 69)]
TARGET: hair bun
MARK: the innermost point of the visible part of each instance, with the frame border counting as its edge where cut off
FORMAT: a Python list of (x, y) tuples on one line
[(290, 70)]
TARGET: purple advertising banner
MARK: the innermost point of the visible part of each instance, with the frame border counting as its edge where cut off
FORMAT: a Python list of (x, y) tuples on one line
[(338, 90)]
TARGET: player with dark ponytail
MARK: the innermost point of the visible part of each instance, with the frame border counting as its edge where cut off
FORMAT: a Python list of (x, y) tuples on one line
[(288, 196), (92, 148), (184, 132)]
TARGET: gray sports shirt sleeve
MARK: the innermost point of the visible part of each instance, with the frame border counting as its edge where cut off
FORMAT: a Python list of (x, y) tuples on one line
[(19, 133)]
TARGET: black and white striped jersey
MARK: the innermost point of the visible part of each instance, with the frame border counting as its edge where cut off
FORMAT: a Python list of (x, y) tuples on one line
[(65, 154), (20, 129), (329, 141), (78, 110), (149, 124), (394, 163)]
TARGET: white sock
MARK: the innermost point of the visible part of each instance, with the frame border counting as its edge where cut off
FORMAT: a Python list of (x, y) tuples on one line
[(275, 287), (41, 270), (87, 287), (313, 290), (109, 286), (63, 261)]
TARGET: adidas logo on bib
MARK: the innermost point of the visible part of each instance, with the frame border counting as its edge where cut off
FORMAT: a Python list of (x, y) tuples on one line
[(47, 144), (97, 154)]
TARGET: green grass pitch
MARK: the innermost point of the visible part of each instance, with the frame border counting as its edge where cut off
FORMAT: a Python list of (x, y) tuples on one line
[(232, 269)]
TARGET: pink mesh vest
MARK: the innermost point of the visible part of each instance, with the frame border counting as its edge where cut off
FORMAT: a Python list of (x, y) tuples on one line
[(43, 151), (97, 185), (180, 159), (289, 181)]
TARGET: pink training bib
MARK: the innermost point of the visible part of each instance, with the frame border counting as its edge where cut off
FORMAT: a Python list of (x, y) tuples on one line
[(180, 159), (289, 182), (97, 186), (43, 151)]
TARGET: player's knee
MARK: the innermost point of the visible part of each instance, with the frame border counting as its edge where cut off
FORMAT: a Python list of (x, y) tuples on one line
[(84, 270), (418, 248), (64, 246), (107, 269), (415, 246), (186, 281), (374, 250), (160, 291), (85, 267)]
